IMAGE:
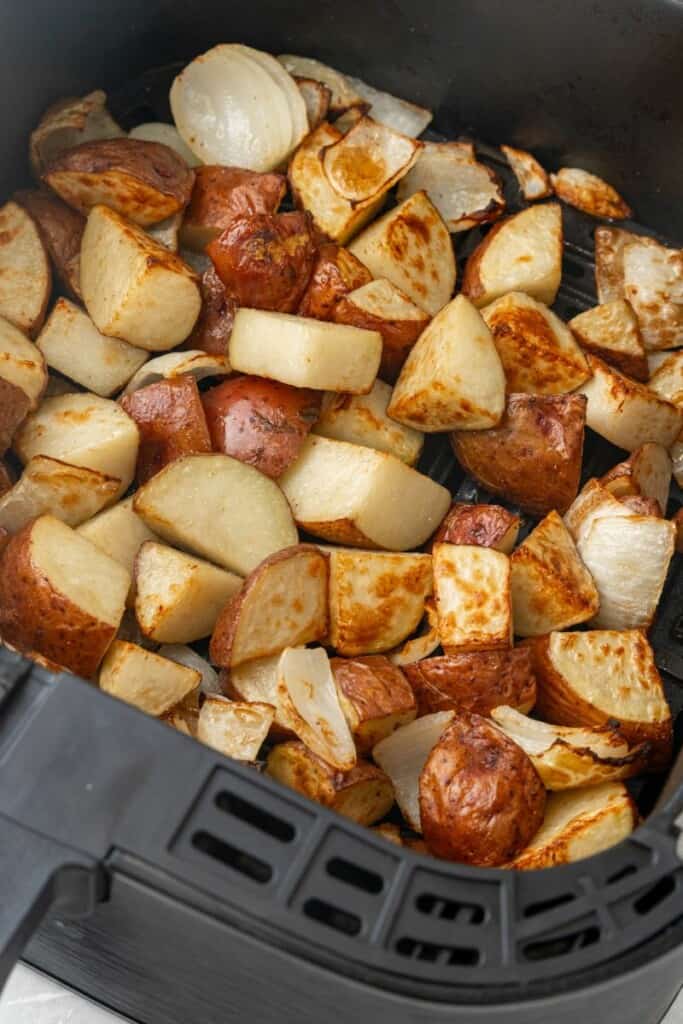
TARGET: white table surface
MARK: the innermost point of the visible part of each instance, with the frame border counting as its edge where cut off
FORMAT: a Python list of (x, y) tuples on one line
[(30, 998)]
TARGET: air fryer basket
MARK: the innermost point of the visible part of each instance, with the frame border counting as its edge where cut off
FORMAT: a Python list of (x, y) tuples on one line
[(178, 886)]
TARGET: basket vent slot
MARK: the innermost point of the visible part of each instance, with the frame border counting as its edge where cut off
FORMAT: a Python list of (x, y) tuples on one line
[(246, 863), (654, 896), (460, 956), (327, 914), (450, 910), (541, 906), (352, 874), (625, 872), (561, 945), (255, 816)]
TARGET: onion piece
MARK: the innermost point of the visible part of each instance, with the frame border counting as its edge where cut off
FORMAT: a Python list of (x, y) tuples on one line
[(343, 95), (282, 78), (368, 160), (536, 737), (316, 96), (589, 193), (186, 656), (176, 364), (395, 113), (403, 755), (309, 705), (167, 135)]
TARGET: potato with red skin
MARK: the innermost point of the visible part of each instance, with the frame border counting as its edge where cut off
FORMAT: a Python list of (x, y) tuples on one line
[(171, 421), (477, 681), (375, 697), (15, 406), (221, 194), (61, 230), (265, 261), (486, 526), (260, 422), (212, 331), (336, 273), (481, 799)]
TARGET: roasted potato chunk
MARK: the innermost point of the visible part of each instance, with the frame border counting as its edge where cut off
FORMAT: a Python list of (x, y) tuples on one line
[(368, 160), (234, 729), (68, 123), (486, 526), (336, 273), (364, 420), (120, 533), (533, 180), (375, 698), (256, 681), (72, 494), (15, 406), (212, 331), (222, 194), (653, 284), (61, 229), (609, 261), (646, 473), (477, 681), (21, 363), (25, 275), (147, 681), (533, 458), (472, 589), (611, 332), (589, 193)]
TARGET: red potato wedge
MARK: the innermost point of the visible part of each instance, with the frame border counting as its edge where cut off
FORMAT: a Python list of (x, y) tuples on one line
[(72, 345), (364, 420), (579, 823), (234, 729), (411, 247), (477, 681), (68, 123), (381, 306), (48, 486), (611, 332), (256, 681), (589, 193), (60, 596), (336, 273), (551, 588), (21, 363), (533, 458), (170, 418), (303, 352), (317, 98), (199, 502), (260, 422), (473, 603), (368, 160), (178, 598), (282, 603), (83, 430), (309, 704), (522, 253), (653, 284), (375, 698), (147, 681), (598, 676), (363, 793), (61, 229), (265, 260), (481, 799), (212, 331), (486, 526), (376, 598), (143, 181), (187, 363), (352, 495), (533, 180), (646, 473), (15, 406), (25, 274), (537, 350), (221, 195), (134, 288), (453, 378)]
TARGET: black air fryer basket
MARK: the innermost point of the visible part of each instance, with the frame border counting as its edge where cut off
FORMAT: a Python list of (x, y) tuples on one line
[(179, 887)]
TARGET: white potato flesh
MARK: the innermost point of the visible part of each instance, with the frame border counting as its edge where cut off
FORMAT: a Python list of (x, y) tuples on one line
[(191, 362), (236, 729), (592, 502), (532, 179), (256, 680), (167, 135), (70, 493), (611, 332), (120, 533), (667, 378), (69, 123), (404, 754), (134, 288), (363, 420), (395, 113), (178, 598), (589, 193), (453, 378), (411, 247), (145, 680), (653, 284), (473, 602), (218, 508), (21, 363), (310, 706), (72, 345), (25, 275), (304, 352), (83, 430), (368, 160), (646, 473), (610, 243), (354, 495), (343, 95)]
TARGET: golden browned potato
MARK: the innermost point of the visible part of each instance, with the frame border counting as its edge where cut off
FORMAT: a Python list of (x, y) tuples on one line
[(611, 332), (282, 603), (481, 799), (368, 160), (487, 526), (610, 243), (184, 716), (212, 331), (15, 406), (143, 181), (646, 473), (221, 194), (60, 595), (375, 697), (260, 422), (473, 603), (533, 180), (589, 193), (61, 229), (265, 260), (257, 681), (363, 793), (364, 420), (171, 421), (533, 458), (68, 123), (235, 729), (642, 506), (146, 680), (22, 363), (337, 272), (25, 275), (70, 493), (477, 681)]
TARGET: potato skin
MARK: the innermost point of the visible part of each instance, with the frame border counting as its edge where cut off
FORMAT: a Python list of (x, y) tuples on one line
[(533, 458), (373, 691), (61, 229), (212, 331), (336, 273), (481, 799), (481, 525), (476, 682), (260, 422), (171, 421), (221, 194), (398, 336), (15, 406), (265, 260)]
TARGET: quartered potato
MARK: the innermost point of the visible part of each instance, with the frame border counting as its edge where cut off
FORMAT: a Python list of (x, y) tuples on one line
[(349, 494), (411, 247), (653, 284), (120, 533), (211, 332), (72, 494), (364, 420), (368, 160), (489, 526), (537, 350), (25, 275), (375, 698), (472, 590), (60, 596), (69, 123), (533, 458), (477, 681), (646, 474), (578, 824), (362, 793), (610, 243), (21, 363), (551, 588), (533, 180), (376, 598), (336, 274), (61, 229), (464, 191), (235, 729), (589, 193), (222, 194), (522, 253), (453, 378), (147, 681), (282, 603), (611, 332)]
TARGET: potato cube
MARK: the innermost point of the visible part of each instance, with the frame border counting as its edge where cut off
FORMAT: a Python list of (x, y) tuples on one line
[(611, 332), (147, 681), (364, 420), (473, 602), (70, 493), (21, 364), (235, 729)]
